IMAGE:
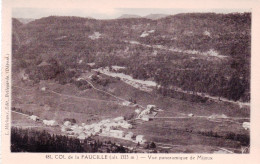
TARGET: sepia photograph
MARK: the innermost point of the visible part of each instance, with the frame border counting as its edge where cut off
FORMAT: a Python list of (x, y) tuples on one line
[(133, 80)]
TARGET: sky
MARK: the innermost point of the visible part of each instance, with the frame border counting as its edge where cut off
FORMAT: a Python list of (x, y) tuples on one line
[(109, 13)]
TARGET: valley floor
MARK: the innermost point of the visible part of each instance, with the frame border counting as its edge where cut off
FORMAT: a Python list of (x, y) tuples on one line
[(181, 126)]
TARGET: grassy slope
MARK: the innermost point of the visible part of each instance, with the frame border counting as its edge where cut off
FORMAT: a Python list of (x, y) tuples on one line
[(167, 131)]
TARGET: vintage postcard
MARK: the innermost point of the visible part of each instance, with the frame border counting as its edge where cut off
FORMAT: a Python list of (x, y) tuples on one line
[(130, 81)]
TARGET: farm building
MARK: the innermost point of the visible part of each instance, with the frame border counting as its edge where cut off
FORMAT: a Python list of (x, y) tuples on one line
[(119, 118), (150, 107), (24, 76), (97, 129), (129, 135), (246, 125), (148, 112), (81, 136), (126, 126), (64, 129), (50, 122), (70, 132), (34, 118), (87, 127), (216, 116), (105, 121), (145, 118), (43, 89), (126, 103), (138, 111), (77, 129), (116, 133), (140, 139), (67, 123)]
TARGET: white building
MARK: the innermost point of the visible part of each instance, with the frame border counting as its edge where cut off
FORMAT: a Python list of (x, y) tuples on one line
[(82, 136), (94, 36), (140, 139), (97, 129), (150, 110), (207, 33), (144, 34), (119, 118), (116, 133), (129, 135), (50, 122), (150, 107), (43, 89), (34, 118), (246, 125), (126, 125), (78, 130), (138, 111), (64, 129), (67, 123), (145, 118)]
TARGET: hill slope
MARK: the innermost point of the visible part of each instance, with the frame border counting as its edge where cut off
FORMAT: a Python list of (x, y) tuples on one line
[(200, 49)]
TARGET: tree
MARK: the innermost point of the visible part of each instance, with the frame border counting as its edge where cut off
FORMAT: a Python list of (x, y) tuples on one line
[(152, 145), (236, 89)]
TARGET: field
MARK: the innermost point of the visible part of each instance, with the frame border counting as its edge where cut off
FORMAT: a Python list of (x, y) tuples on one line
[(172, 129)]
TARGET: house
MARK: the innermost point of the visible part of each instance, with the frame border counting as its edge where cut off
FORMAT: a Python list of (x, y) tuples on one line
[(126, 125), (246, 125), (145, 118), (64, 129), (89, 133), (216, 116), (94, 36), (50, 122), (78, 129), (34, 118), (126, 103), (149, 111), (67, 123), (119, 118), (97, 129), (43, 89), (25, 76), (140, 139), (71, 133), (82, 136), (116, 133), (44, 63), (138, 111), (129, 135), (150, 107), (105, 121)]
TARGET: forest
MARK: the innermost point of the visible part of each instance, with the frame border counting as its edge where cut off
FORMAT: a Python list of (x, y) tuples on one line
[(30, 140), (227, 34)]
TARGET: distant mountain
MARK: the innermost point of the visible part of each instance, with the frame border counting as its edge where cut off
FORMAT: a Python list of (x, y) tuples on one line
[(155, 16), (16, 23), (25, 20), (128, 16)]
